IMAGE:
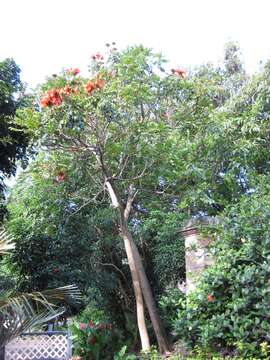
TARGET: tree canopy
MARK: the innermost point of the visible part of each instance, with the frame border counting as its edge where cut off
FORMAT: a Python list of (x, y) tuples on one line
[(13, 141), (130, 153)]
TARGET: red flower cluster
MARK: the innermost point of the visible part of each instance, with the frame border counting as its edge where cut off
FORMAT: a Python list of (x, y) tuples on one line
[(82, 326), (179, 72), (93, 85), (103, 326), (92, 340), (54, 97), (74, 72), (97, 57), (60, 176), (91, 325), (68, 90), (55, 270), (51, 98), (210, 298)]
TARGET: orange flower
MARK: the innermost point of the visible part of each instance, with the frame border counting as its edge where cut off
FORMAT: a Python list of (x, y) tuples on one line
[(67, 90), (55, 97), (60, 176), (76, 71), (97, 56), (51, 98), (210, 298), (45, 101), (72, 71), (179, 72), (89, 87), (99, 83), (94, 85)]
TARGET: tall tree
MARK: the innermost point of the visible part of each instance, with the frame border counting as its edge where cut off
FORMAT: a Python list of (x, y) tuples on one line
[(117, 123), (136, 128), (13, 141)]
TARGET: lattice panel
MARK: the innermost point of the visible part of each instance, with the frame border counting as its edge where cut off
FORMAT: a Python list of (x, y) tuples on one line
[(38, 347)]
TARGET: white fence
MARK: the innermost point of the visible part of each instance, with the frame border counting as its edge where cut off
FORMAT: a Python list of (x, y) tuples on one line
[(55, 345)]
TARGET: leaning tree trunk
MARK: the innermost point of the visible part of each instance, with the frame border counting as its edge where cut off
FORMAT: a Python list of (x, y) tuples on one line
[(162, 340), (138, 269), (138, 297), (135, 279)]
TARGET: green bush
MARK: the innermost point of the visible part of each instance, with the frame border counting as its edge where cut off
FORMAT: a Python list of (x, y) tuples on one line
[(165, 247), (170, 303), (122, 355), (94, 337), (229, 311)]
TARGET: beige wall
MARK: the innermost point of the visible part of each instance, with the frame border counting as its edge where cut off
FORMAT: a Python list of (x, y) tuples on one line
[(197, 255)]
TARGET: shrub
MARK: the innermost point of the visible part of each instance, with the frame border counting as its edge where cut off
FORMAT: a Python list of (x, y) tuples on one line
[(229, 311), (170, 303), (94, 337)]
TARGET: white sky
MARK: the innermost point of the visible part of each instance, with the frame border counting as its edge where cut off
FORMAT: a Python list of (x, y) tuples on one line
[(45, 36)]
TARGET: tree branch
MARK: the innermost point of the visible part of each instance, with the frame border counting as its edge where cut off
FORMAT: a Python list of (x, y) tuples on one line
[(130, 199)]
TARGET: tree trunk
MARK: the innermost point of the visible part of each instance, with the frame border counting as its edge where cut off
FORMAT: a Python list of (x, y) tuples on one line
[(135, 280), (138, 270), (163, 343), (138, 296)]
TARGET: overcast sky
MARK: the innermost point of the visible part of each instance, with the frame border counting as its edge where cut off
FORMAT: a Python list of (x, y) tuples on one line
[(45, 36)]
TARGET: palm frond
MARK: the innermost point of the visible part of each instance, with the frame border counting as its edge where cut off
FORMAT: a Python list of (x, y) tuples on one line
[(43, 299), (6, 242), (22, 312), (14, 324)]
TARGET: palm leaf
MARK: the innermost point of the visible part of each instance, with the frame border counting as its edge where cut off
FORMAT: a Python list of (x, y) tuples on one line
[(6, 243), (21, 313), (14, 324)]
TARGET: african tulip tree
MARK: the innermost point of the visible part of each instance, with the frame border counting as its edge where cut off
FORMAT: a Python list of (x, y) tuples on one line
[(117, 123)]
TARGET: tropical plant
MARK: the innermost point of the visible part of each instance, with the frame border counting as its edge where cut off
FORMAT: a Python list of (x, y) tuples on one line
[(21, 312)]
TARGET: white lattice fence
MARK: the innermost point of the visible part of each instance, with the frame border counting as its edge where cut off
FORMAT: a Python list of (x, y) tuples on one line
[(43, 346)]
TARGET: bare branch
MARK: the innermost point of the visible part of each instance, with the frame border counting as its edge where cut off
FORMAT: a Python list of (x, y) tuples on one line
[(93, 199), (123, 164), (115, 267), (135, 177)]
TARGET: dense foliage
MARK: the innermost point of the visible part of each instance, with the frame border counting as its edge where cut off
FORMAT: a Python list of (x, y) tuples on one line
[(57, 244), (171, 145), (229, 310), (13, 141), (236, 315)]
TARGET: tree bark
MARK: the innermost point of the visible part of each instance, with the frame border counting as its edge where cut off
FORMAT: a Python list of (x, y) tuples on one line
[(138, 269), (163, 343), (135, 279), (138, 296)]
